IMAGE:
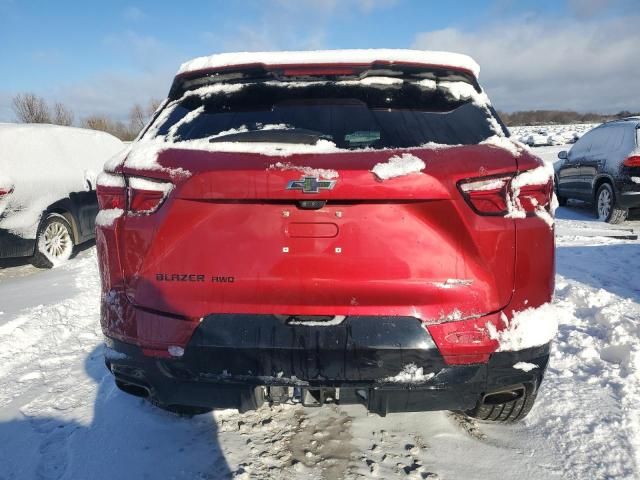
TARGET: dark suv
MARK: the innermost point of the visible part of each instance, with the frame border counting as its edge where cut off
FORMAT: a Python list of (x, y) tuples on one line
[(603, 167)]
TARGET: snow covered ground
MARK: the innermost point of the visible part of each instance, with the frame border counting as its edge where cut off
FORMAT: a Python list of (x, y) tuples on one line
[(61, 416), (544, 135)]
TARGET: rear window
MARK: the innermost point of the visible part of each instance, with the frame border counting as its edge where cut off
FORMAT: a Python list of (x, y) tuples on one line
[(370, 113)]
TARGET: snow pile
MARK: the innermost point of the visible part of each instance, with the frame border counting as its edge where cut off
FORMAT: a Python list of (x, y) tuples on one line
[(548, 135), (324, 173), (423, 57), (144, 154), (398, 166), (411, 373), (461, 91), (105, 218), (46, 163), (528, 328), (525, 366), (337, 320), (505, 143), (537, 176)]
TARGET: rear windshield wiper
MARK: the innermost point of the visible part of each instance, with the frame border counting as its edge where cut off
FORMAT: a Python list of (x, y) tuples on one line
[(292, 135)]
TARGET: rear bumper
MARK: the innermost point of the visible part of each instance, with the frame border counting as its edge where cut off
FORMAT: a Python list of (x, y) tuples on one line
[(388, 364), (630, 199), (628, 193), (12, 245)]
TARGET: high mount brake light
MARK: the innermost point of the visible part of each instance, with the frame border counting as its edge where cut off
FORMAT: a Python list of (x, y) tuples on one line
[(632, 161), (494, 195), (134, 194)]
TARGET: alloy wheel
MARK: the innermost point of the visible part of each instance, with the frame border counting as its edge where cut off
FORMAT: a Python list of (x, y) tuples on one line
[(57, 242), (604, 204)]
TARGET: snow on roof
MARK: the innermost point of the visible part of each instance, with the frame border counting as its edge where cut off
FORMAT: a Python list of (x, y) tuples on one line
[(347, 57), (8, 128)]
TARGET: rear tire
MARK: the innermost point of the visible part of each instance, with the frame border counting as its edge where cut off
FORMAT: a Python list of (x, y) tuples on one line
[(508, 412), (54, 242), (562, 201), (606, 206)]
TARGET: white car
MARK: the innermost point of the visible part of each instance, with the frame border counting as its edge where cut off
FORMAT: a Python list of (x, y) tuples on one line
[(48, 201)]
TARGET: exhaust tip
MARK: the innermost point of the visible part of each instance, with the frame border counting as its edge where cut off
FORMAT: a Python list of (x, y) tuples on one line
[(131, 389), (503, 396)]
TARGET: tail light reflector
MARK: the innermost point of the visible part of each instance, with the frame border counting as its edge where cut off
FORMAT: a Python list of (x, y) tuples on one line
[(465, 341), (532, 197), (145, 195), (633, 161), (487, 196), (111, 191), (133, 194), (525, 192)]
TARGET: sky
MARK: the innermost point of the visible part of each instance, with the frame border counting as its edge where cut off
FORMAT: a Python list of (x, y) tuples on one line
[(102, 57)]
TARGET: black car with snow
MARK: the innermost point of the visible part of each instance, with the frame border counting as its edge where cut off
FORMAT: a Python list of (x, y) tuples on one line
[(48, 202), (603, 168)]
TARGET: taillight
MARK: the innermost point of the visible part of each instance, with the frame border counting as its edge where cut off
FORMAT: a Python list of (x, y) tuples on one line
[(632, 161), (5, 191), (465, 341), (533, 197), (111, 191), (133, 194), (145, 195), (487, 196), (519, 195)]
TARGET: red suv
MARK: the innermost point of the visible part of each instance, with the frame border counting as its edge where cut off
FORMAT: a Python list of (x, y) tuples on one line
[(327, 227)]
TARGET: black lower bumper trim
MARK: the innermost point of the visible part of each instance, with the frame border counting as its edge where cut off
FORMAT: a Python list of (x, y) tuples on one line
[(235, 361)]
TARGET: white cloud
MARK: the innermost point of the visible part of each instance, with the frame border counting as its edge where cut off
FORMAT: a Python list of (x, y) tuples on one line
[(291, 24), (133, 14), (586, 66)]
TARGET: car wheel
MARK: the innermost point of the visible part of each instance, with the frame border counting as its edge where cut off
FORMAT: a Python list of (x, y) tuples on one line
[(506, 412), (54, 243), (606, 207)]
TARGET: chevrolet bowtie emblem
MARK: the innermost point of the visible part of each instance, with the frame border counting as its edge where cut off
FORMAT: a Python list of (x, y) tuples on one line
[(310, 185)]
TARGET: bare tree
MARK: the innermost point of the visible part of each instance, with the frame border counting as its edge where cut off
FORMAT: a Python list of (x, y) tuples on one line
[(105, 124), (30, 108), (137, 117), (62, 115), (154, 104)]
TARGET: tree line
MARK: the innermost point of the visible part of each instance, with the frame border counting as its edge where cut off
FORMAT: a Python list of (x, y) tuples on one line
[(559, 117), (30, 108)]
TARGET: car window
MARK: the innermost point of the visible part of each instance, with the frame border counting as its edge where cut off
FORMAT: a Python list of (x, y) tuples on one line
[(350, 116), (602, 140), (628, 142), (582, 146)]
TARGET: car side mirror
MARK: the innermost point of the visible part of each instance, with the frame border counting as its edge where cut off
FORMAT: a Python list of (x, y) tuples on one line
[(563, 155)]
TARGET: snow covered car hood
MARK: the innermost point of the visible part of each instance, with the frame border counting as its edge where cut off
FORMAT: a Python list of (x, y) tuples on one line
[(43, 164)]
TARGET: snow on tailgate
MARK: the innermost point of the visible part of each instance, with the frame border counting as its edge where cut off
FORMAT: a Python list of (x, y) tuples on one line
[(398, 166)]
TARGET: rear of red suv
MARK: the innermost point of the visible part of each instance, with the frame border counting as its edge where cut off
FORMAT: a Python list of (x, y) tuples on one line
[(326, 227)]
